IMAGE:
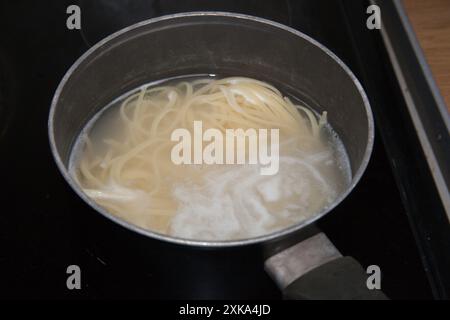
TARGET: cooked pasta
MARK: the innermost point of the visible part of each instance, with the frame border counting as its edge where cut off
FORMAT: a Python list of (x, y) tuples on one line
[(123, 161)]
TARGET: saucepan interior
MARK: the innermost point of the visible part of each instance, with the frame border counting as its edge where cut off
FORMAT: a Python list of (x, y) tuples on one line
[(212, 43)]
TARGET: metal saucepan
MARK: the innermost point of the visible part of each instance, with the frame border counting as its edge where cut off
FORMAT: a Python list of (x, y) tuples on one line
[(212, 43)]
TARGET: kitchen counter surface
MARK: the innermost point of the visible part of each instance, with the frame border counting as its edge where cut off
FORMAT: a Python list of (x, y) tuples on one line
[(431, 22)]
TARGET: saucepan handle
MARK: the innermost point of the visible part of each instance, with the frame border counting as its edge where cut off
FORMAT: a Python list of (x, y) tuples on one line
[(315, 270)]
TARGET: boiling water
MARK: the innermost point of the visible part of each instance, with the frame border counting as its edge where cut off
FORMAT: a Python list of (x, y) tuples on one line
[(209, 202)]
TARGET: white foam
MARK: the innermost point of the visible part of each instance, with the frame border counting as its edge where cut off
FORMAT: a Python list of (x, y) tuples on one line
[(233, 202)]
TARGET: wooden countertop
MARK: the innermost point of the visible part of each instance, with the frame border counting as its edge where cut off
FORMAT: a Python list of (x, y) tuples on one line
[(431, 22)]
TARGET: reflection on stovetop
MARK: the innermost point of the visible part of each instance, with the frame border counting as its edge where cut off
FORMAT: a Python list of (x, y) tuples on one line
[(43, 221)]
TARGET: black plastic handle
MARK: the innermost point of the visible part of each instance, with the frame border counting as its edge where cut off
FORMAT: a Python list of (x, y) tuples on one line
[(340, 279)]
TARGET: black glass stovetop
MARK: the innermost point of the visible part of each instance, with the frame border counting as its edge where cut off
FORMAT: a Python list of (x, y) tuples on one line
[(41, 228)]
